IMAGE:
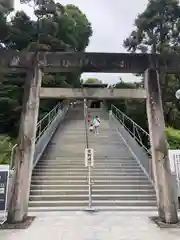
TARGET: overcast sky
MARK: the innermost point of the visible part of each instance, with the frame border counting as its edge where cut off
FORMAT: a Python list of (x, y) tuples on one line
[(112, 21)]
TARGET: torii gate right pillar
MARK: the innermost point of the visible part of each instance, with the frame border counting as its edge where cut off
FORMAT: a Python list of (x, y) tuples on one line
[(166, 200)]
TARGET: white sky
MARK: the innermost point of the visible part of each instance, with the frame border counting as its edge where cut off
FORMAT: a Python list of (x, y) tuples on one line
[(112, 21)]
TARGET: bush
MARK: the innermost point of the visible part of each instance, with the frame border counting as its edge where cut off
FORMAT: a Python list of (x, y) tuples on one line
[(173, 137), (5, 149)]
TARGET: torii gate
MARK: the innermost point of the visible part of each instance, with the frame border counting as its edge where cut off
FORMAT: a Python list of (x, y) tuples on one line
[(37, 63)]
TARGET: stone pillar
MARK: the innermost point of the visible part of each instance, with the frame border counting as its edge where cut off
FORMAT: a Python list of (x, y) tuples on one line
[(24, 155), (166, 202)]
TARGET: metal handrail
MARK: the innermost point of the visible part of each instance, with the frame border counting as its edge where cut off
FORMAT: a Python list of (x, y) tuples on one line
[(12, 156), (42, 126), (45, 122), (136, 132), (144, 158)]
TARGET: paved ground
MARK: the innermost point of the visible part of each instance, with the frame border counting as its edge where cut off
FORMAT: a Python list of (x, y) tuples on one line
[(99, 226)]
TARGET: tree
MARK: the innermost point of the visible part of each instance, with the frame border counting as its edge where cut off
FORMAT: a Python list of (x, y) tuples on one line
[(157, 30), (53, 30)]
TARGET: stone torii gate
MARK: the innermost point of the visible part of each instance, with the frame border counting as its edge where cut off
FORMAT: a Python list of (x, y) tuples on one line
[(36, 63)]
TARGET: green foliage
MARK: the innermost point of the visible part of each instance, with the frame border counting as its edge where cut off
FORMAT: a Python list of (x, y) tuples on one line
[(136, 110), (93, 81), (57, 28), (173, 137), (5, 149), (157, 30)]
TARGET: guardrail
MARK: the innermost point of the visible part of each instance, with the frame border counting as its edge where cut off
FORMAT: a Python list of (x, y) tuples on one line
[(46, 121), (136, 131), (136, 138), (45, 129)]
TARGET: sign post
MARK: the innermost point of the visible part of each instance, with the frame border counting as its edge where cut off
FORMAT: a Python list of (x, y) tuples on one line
[(89, 162), (4, 180), (89, 157)]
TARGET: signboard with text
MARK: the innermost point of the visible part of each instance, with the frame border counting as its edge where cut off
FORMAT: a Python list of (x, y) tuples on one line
[(174, 159), (4, 177), (89, 157)]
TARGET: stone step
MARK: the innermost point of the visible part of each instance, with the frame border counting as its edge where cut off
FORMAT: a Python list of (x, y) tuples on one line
[(81, 159), (84, 181), (97, 203), (85, 177), (68, 156), (70, 140), (100, 197), (100, 153), (98, 167), (119, 187), (84, 191), (77, 157), (80, 162), (85, 174), (82, 166), (107, 171), (60, 179), (36, 210), (84, 169)]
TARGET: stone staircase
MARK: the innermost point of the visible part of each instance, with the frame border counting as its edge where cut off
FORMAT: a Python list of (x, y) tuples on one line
[(59, 181)]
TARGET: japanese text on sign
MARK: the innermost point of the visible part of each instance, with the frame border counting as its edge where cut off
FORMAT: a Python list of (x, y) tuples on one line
[(89, 157)]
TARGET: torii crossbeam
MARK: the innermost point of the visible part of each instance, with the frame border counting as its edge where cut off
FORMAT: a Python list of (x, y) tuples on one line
[(91, 62)]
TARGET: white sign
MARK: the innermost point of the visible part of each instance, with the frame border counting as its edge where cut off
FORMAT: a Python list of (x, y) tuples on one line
[(4, 180), (174, 159), (89, 157)]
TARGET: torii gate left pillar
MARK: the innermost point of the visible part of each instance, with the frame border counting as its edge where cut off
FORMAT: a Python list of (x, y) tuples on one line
[(24, 154)]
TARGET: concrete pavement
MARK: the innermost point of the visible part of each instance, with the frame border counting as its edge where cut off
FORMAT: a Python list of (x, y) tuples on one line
[(97, 226)]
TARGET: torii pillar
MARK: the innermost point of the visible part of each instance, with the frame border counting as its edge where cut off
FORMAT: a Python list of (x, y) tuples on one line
[(24, 154), (166, 197)]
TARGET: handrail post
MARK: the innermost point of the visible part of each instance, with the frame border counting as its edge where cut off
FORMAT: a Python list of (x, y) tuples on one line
[(90, 186), (39, 130), (123, 119), (85, 122), (134, 131), (49, 118)]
